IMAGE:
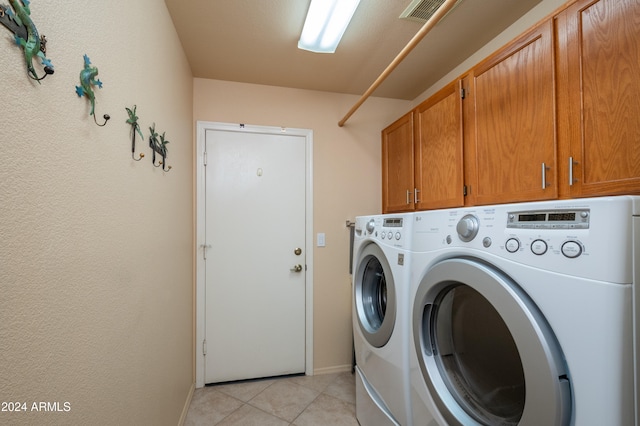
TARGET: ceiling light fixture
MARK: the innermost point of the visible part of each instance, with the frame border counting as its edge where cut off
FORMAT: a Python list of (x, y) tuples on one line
[(325, 24)]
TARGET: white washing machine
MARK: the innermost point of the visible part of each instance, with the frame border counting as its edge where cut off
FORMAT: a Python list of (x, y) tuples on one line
[(524, 314), (381, 319)]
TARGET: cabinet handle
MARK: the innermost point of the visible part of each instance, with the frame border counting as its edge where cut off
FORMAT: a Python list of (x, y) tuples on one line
[(544, 175), (408, 200), (416, 191), (571, 163)]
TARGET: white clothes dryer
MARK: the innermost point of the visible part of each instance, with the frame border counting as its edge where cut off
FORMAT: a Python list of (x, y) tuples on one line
[(524, 314), (380, 318)]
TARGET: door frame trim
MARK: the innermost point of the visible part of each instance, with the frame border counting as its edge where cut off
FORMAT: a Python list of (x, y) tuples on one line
[(200, 187)]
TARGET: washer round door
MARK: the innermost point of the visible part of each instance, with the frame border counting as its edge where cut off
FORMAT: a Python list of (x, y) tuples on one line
[(375, 296), (487, 354)]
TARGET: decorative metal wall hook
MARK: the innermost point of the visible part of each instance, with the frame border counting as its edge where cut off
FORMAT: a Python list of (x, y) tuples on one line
[(87, 81), (135, 127), (106, 117), (159, 147), (18, 21)]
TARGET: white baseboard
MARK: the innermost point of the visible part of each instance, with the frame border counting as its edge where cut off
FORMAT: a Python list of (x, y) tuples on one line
[(185, 409), (332, 370)]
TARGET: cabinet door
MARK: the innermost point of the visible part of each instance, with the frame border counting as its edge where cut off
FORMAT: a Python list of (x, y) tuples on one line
[(438, 150), (514, 120), (397, 166), (599, 97)]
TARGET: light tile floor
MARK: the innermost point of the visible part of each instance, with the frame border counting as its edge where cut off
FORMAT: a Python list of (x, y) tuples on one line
[(298, 401)]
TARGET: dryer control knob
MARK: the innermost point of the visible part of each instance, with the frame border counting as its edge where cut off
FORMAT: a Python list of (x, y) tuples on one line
[(371, 225), (468, 227)]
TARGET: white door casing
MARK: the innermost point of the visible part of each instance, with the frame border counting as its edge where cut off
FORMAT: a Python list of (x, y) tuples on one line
[(250, 219)]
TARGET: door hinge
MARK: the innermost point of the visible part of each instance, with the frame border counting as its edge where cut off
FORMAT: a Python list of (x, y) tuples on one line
[(204, 158), (204, 347), (463, 93)]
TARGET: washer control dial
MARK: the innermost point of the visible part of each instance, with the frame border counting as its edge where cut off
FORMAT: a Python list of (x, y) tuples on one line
[(571, 249), (512, 245), (371, 225), (468, 227), (539, 247)]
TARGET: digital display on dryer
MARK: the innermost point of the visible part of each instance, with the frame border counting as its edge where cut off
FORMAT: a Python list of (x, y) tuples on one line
[(562, 216), (532, 217)]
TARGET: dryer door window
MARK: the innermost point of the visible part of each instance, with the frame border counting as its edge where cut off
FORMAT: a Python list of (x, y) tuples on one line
[(375, 298), (487, 381), (487, 354)]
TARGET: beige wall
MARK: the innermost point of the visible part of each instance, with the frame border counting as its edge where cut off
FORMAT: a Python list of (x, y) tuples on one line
[(96, 261), (346, 177)]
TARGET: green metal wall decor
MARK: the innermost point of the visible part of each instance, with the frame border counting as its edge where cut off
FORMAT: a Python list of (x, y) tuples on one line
[(18, 21), (87, 81), (159, 147), (135, 128)]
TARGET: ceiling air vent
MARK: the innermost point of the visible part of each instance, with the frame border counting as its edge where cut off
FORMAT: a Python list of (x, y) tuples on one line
[(422, 10)]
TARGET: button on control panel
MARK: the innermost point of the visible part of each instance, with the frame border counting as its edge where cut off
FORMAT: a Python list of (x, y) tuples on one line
[(571, 249), (539, 247), (512, 245)]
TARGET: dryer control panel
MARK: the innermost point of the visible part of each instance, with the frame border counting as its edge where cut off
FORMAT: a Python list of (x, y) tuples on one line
[(590, 238), (564, 219), (549, 219)]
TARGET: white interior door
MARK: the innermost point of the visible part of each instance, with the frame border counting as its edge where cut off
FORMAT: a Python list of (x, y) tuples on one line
[(255, 233)]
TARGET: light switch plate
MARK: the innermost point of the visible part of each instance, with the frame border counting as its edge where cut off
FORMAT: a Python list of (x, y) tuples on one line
[(321, 239)]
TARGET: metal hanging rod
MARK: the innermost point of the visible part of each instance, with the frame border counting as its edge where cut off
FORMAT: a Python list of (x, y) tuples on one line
[(446, 7)]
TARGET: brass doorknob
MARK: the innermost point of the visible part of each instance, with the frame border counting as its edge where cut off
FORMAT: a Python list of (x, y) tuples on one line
[(297, 268)]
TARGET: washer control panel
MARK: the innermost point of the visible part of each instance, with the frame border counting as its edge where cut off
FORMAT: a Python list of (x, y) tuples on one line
[(393, 230)]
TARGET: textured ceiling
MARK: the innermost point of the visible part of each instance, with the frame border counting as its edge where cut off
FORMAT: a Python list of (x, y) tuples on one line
[(255, 41)]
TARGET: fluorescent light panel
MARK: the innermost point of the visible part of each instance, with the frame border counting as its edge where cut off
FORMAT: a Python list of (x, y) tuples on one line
[(325, 24)]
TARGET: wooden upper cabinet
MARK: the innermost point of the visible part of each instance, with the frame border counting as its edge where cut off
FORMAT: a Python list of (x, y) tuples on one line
[(513, 121), (438, 150), (598, 55), (397, 166)]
